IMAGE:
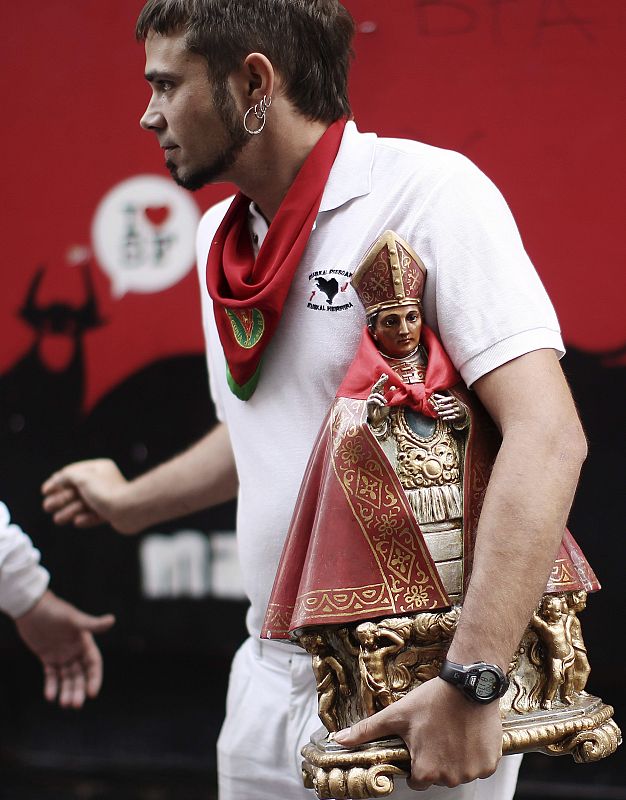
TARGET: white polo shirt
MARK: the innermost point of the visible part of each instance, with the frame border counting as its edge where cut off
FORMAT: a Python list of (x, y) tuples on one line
[(482, 296), (22, 579)]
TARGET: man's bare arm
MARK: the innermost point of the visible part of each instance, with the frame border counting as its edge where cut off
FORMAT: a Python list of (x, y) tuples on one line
[(526, 506), (451, 739), (88, 493)]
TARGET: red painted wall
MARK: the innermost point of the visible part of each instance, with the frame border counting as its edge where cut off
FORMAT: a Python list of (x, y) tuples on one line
[(531, 90)]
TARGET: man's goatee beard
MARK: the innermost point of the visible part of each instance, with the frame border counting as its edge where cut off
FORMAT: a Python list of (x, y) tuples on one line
[(212, 172)]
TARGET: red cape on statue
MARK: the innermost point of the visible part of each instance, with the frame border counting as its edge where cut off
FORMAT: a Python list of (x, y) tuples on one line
[(354, 550)]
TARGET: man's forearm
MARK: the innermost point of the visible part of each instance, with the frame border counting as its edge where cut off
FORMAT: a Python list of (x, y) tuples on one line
[(201, 477), (88, 493), (522, 521)]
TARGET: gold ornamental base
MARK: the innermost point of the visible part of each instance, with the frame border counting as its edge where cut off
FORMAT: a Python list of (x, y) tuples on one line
[(364, 667), (587, 732)]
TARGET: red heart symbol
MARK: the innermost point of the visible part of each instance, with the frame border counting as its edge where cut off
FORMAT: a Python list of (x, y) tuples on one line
[(157, 214)]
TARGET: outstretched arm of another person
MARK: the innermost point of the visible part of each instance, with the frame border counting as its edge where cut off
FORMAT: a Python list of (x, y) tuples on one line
[(451, 739), (59, 634), (89, 493)]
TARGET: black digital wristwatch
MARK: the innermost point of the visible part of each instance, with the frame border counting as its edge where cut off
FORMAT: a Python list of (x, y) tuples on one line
[(481, 682)]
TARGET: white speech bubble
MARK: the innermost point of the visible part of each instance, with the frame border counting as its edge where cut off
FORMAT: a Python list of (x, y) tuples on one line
[(143, 234)]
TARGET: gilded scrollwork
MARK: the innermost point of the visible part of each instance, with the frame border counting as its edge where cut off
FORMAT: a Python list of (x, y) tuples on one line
[(356, 783), (589, 745), (425, 460), (390, 656), (545, 709)]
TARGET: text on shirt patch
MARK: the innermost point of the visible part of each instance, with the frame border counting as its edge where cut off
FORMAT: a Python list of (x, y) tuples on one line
[(328, 289)]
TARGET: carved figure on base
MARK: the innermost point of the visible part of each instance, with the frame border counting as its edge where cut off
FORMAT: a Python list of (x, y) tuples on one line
[(330, 676), (556, 637), (375, 687), (582, 668)]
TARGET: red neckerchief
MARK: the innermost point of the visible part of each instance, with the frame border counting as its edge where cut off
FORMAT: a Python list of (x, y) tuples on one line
[(249, 294), (368, 366)]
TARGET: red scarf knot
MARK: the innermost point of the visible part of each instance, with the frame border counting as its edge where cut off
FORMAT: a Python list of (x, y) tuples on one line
[(249, 293)]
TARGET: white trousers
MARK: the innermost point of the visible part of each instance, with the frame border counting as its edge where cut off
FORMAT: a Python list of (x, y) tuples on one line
[(271, 712)]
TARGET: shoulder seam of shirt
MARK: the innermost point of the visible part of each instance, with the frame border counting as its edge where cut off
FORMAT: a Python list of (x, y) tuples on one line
[(557, 331)]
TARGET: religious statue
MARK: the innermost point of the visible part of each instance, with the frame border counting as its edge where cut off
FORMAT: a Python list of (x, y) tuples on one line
[(380, 548)]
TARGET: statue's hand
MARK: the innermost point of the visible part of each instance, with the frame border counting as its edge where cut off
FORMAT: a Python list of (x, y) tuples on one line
[(449, 408), (376, 403), (379, 386)]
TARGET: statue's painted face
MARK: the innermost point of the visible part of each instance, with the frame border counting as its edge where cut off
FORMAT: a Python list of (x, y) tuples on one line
[(397, 330)]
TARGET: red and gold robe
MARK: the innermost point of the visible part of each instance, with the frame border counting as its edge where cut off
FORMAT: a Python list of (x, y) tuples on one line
[(354, 550)]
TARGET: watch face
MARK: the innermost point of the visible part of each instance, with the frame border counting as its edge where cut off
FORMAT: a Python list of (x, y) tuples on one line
[(486, 685)]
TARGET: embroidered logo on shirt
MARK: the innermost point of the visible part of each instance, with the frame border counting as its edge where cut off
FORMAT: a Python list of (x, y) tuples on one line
[(328, 290)]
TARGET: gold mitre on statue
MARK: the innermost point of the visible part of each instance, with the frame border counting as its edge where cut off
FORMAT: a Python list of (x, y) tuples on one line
[(391, 274)]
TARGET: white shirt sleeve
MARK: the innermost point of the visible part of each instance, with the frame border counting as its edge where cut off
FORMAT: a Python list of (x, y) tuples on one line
[(22, 580), (491, 304)]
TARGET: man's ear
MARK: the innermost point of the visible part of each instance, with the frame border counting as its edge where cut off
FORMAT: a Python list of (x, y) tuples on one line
[(255, 79)]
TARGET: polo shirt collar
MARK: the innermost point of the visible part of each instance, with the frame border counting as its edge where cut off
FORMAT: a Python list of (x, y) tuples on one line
[(351, 174)]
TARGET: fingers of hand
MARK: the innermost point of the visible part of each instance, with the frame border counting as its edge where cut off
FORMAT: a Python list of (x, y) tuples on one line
[(447, 407), (79, 688), (69, 512), (450, 774), (96, 624), (87, 520), (446, 402), (418, 786), (61, 684), (64, 478), (51, 683), (92, 661), (54, 483), (72, 690), (58, 498), (380, 383), (366, 730), (377, 399), (443, 759), (66, 505), (71, 683)]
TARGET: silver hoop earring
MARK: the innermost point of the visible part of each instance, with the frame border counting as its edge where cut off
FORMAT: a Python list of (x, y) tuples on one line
[(259, 112)]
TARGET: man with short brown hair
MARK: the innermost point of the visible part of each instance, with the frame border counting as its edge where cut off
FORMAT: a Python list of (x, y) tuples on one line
[(281, 329)]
